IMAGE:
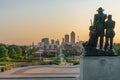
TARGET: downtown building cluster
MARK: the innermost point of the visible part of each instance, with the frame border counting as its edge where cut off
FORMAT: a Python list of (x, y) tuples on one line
[(68, 41)]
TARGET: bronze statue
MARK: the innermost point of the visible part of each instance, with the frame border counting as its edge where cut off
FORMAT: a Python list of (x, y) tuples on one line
[(99, 21), (110, 25), (96, 31), (92, 37)]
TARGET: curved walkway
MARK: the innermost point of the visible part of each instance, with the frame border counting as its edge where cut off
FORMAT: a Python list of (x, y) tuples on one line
[(42, 71)]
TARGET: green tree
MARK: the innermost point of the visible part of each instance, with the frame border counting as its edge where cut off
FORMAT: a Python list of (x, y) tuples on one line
[(3, 53), (44, 54), (70, 52), (49, 54), (32, 50), (12, 54), (24, 50), (19, 53), (16, 50), (117, 49)]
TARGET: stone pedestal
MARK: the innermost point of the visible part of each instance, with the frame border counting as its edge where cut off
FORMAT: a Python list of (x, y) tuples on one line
[(99, 68)]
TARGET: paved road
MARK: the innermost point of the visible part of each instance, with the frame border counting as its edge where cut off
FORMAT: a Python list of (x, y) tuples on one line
[(41, 79)]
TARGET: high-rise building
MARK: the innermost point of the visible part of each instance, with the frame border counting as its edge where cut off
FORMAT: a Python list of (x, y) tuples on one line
[(66, 38), (41, 45), (33, 44), (72, 37), (52, 41), (63, 40), (58, 42), (45, 41)]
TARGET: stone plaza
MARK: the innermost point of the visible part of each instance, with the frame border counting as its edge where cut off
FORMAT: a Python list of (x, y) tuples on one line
[(42, 72)]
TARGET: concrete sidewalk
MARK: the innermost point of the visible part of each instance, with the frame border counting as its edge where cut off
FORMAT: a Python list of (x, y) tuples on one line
[(42, 71), (40, 79)]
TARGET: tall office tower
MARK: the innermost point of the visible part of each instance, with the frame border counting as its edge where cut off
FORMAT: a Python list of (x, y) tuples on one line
[(58, 42), (66, 38), (72, 37), (33, 44), (45, 41), (52, 41), (63, 40)]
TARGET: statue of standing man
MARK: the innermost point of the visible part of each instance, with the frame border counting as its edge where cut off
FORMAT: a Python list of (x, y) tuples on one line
[(99, 24), (110, 25)]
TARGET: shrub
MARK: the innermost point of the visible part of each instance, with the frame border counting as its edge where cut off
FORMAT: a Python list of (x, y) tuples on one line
[(5, 59), (57, 61), (74, 61), (117, 49), (21, 60)]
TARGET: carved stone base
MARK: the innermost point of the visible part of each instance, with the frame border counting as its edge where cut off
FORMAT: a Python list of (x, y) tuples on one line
[(99, 68)]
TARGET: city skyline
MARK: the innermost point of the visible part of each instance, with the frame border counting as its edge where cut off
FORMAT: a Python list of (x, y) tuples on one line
[(25, 21)]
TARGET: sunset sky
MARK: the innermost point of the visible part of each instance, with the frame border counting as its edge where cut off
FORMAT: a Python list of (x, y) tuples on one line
[(25, 21)]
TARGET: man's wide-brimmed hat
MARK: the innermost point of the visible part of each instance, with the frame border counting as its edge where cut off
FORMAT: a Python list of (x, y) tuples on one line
[(100, 9)]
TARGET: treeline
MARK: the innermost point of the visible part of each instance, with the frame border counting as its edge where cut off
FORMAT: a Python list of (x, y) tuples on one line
[(14, 52), (71, 52)]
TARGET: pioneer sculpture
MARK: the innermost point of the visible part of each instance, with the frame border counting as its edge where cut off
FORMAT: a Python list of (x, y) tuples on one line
[(97, 30)]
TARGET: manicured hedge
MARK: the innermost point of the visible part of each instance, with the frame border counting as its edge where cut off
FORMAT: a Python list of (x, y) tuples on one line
[(74, 61)]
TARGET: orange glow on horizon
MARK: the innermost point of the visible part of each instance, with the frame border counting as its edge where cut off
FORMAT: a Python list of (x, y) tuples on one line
[(23, 24)]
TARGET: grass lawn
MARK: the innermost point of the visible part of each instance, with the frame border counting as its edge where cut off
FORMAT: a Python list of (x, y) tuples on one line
[(6, 63)]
